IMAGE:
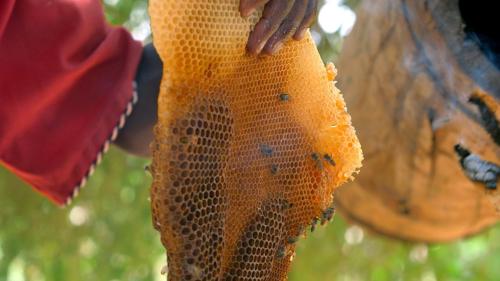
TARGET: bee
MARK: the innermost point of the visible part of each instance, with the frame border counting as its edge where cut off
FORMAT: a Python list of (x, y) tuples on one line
[(281, 252), (314, 222), (315, 156), (274, 169), (266, 150), (286, 205), (405, 210), (329, 159), (327, 215), (292, 240), (148, 169), (284, 97), (403, 207), (317, 160)]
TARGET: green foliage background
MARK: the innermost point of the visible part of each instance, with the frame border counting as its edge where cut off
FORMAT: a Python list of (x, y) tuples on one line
[(114, 239)]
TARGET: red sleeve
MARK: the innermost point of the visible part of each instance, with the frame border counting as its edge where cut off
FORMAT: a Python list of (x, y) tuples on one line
[(65, 86)]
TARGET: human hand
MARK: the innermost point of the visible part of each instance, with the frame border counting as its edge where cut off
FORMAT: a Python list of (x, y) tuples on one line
[(280, 20)]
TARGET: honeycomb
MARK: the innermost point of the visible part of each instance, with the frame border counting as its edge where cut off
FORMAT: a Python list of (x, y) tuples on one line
[(248, 150)]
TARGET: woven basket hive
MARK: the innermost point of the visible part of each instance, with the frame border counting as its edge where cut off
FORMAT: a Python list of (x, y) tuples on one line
[(411, 76)]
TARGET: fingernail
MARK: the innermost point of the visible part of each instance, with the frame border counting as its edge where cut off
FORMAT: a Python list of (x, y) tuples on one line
[(252, 49), (300, 35), (247, 12), (276, 48), (259, 48)]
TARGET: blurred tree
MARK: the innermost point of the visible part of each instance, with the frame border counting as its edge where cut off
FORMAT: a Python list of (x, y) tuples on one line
[(106, 234)]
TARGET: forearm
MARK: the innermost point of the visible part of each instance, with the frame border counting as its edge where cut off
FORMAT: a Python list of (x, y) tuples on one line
[(137, 134)]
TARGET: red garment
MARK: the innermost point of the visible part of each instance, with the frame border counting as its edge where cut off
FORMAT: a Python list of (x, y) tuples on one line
[(65, 80)]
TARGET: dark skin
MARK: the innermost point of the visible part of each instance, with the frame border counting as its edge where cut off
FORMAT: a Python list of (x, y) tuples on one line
[(280, 21)]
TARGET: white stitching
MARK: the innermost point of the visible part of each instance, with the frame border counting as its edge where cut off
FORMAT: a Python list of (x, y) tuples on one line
[(105, 147)]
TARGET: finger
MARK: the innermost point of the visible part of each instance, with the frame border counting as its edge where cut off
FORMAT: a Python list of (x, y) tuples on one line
[(289, 25), (310, 16), (273, 15), (247, 7)]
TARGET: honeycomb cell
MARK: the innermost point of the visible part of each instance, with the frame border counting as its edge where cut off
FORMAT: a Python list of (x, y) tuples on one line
[(193, 195), (259, 244), (248, 150)]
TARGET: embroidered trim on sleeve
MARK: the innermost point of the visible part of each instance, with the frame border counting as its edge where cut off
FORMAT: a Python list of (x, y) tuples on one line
[(105, 146)]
